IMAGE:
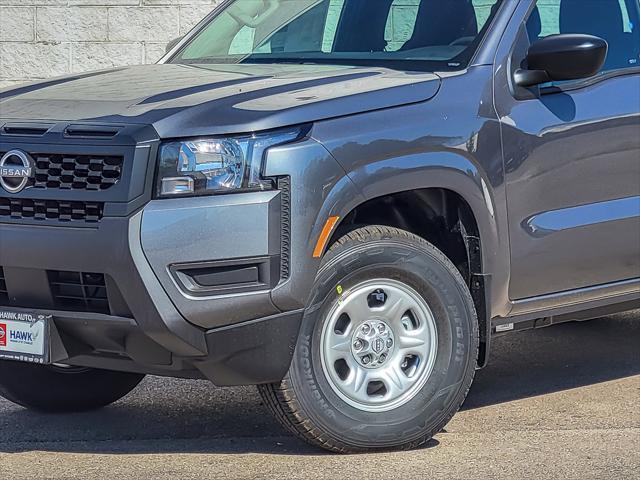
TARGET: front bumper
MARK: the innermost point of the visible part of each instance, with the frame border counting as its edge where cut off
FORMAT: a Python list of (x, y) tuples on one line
[(209, 287), (230, 333)]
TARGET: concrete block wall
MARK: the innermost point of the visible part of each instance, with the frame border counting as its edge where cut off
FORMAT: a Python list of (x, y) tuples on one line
[(45, 38)]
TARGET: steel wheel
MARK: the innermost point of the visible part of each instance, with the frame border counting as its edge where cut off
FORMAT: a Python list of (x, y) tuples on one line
[(379, 345)]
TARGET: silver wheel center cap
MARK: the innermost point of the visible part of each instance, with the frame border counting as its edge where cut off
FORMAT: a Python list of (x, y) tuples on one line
[(371, 343)]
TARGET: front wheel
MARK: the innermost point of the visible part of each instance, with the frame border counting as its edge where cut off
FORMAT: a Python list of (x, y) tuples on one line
[(60, 389), (387, 350)]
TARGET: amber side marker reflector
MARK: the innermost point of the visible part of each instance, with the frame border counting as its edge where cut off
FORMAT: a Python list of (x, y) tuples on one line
[(324, 236)]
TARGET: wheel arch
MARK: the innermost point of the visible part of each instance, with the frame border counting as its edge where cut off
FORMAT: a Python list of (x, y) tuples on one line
[(453, 195)]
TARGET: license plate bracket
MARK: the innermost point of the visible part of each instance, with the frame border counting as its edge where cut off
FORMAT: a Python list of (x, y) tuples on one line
[(25, 336)]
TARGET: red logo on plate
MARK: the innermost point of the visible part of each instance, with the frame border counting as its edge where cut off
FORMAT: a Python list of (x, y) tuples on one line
[(3, 335)]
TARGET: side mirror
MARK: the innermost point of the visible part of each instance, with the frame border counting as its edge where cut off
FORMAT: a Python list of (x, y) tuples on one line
[(172, 44), (562, 57)]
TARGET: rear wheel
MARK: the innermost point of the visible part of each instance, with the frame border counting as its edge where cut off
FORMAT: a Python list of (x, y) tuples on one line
[(58, 389), (388, 347)]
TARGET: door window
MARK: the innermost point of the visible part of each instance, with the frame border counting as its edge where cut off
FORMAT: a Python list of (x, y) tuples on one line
[(616, 21), (404, 15)]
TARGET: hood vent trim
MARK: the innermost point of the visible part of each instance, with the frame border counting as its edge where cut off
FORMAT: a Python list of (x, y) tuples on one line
[(91, 131), (25, 129)]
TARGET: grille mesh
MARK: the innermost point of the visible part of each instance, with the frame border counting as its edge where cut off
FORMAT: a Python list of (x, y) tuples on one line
[(76, 172), (4, 295), (284, 185), (42, 210), (79, 291)]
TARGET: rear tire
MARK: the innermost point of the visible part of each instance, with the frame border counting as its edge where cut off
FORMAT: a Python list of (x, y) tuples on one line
[(53, 389), (353, 389)]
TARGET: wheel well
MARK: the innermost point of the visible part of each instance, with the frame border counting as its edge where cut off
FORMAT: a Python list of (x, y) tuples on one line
[(440, 216), (443, 218)]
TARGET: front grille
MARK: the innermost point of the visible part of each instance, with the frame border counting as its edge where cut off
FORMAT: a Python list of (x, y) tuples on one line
[(4, 294), (62, 211), (76, 172), (79, 291)]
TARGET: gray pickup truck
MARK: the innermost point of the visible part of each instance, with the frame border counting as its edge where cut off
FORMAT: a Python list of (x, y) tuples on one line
[(340, 201)]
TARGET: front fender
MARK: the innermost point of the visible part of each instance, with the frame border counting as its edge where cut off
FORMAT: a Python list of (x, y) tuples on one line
[(450, 142)]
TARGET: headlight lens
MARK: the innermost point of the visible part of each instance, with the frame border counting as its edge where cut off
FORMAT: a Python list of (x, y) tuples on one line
[(217, 165)]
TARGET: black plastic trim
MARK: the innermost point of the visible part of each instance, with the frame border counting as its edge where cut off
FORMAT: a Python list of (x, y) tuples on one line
[(4, 293), (244, 275), (252, 353), (92, 131), (284, 185), (26, 129)]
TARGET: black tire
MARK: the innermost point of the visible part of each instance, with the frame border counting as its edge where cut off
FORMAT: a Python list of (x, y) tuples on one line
[(306, 404), (52, 389)]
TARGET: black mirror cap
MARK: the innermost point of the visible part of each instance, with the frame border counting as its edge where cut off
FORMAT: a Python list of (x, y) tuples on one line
[(563, 57)]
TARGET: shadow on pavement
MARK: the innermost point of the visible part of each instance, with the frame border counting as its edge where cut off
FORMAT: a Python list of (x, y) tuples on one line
[(558, 358), (180, 416)]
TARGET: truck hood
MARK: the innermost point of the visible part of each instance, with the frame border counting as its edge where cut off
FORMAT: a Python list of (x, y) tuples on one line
[(189, 100)]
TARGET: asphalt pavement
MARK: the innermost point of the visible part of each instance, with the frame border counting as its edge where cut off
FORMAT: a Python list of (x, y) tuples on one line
[(557, 403)]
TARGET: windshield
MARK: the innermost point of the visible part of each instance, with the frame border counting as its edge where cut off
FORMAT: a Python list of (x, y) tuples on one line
[(431, 35)]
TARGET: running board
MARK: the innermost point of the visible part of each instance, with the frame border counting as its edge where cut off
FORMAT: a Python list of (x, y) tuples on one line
[(576, 305)]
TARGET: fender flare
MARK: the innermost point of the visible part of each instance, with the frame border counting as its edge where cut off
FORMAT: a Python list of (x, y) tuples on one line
[(446, 170)]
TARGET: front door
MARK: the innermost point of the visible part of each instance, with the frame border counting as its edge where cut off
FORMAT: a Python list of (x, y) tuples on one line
[(572, 156)]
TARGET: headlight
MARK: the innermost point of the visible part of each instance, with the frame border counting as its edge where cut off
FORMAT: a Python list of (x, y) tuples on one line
[(217, 165)]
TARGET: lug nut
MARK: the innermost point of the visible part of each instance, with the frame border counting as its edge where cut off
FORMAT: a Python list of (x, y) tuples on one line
[(366, 329), (381, 328), (358, 345), (366, 360), (382, 358), (389, 343)]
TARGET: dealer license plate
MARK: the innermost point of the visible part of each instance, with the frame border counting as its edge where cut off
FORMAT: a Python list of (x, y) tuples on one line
[(24, 336)]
